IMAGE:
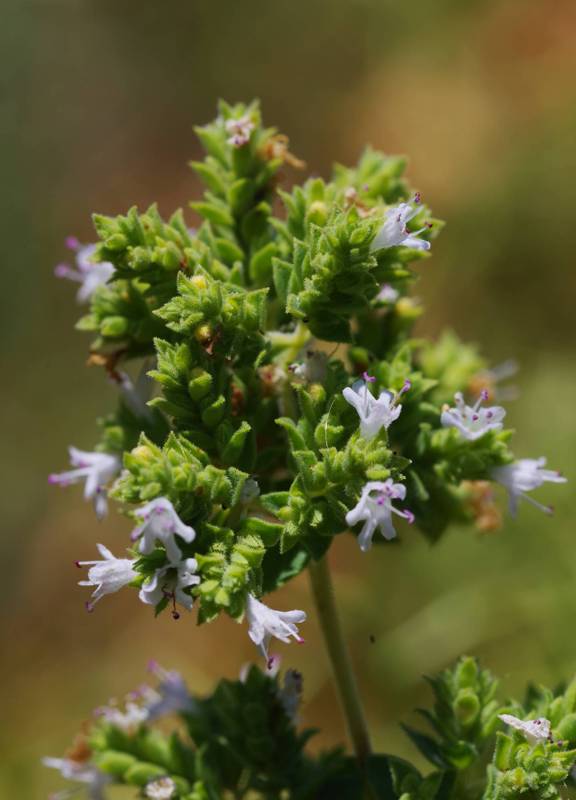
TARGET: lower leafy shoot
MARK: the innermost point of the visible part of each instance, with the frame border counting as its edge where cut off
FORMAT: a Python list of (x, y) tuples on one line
[(243, 742)]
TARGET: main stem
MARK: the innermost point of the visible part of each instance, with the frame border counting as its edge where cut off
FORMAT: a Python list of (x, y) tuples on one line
[(323, 593)]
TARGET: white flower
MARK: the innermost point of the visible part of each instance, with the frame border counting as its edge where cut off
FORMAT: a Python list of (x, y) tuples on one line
[(90, 274), (82, 772), (394, 232), (265, 623), (535, 730), (170, 582), (376, 509), (387, 294), (171, 696), (375, 413), (473, 421), (161, 789), (161, 523), (108, 575), (524, 475), (128, 719), (239, 130), (97, 469)]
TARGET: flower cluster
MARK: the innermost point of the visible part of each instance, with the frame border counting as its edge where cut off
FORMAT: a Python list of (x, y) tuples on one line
[(247, 443)]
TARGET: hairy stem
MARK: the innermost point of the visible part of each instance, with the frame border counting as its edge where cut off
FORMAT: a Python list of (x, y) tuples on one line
[(323, 593)]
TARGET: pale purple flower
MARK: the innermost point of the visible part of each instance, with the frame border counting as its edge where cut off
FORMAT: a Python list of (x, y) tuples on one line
[(473, 421), (375, 413), (161, 523), (96, 469), (376, 509), (522, 477), (536, 731), (89, 274), (171, 696), (239, 130), (81, 772), (265, 623), (108, 575), (170, 582), (394, 232), (387, 294)]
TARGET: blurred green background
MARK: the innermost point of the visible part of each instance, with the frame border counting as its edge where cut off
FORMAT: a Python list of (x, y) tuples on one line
[(97, 102)]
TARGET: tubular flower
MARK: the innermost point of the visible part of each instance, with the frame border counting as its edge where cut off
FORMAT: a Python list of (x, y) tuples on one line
[(535, 730), (81, 772), (521, 477), (161, 789), (108, 575), (161, 523), (89, 274), (169, 582), (394, 232), (376, 509), (375, 413), (265, 623), (172, 694), (473, 421), (97, 469), (239, 130)]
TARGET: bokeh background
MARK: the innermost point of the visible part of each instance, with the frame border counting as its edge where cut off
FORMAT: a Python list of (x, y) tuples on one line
[(98, 98)]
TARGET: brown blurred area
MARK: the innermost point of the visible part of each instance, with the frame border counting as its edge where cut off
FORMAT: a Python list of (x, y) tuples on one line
[(97, 103)]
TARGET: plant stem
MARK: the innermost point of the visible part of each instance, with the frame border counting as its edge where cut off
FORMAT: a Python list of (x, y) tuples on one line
[(323, 593)]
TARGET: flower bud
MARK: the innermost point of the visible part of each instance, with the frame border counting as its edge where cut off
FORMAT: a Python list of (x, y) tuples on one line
[(203, 334), (318, 212), (199, 282), (114, 327), (114, 763), (141, 774)]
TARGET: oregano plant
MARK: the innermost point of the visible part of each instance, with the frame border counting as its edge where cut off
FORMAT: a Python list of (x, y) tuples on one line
[(272, 396)]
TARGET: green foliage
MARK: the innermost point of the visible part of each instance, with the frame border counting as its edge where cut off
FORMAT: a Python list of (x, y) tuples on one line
[(239, 742), (242, 741), (464, 717)]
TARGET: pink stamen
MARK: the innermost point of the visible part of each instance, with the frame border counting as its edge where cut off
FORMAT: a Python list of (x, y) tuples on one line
[(89, 607), (62, 270), (409, 516), (72, 243), (78, 564), (368, 378), (417, 198)]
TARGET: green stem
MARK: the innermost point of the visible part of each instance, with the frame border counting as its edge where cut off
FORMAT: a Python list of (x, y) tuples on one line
[(323, 593)]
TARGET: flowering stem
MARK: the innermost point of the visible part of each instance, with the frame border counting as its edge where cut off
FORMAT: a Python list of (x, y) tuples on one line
[(324, 599)]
